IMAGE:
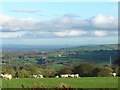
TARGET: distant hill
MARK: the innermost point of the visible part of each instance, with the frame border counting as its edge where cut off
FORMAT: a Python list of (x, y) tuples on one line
[(93, 47), (99, 54)]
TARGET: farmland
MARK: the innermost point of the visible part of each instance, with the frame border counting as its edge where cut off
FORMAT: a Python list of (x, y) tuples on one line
[(99, 54), (92, 64), (84, 82)]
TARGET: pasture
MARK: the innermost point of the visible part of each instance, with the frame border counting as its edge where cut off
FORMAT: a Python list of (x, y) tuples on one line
[(85, 82)]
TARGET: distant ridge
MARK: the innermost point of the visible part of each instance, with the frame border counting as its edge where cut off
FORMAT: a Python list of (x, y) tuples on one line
[(93, 47), (60, 47)]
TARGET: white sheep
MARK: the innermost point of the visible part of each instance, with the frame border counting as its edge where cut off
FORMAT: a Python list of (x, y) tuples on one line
[(34, 76), (6, 76), (38, 76), (57, 76), (64, 75), (70, 75), (113, 74), (76, 76)]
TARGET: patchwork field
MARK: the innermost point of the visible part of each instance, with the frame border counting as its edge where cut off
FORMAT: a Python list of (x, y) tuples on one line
[(86, 82)]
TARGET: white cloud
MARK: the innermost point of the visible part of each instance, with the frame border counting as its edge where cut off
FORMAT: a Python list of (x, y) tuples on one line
[(9, 24), (6, 35), (65, 26), (5, 18), (100, 33), (104, 22), (69, 33)]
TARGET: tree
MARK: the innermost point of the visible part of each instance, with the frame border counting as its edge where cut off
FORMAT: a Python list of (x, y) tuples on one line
[(49, 72), (19, 74), (95, 72), (104, 72), (84, 69), (35, 70), (65, 70), (25, 73)]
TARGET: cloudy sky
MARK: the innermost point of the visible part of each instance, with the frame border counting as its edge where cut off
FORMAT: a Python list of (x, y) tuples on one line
[(62, 23)]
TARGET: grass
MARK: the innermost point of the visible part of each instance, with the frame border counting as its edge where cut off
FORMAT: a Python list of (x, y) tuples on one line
[(86, 82)]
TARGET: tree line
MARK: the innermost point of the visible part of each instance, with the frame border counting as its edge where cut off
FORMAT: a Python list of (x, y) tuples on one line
[(84, 69)]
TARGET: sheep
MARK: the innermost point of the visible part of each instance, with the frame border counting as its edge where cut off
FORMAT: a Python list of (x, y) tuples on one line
[(57, 76), (34, 76), (6, 76), (9, 76), (38, 76), (2, 76), (114, 74), (64, 75), (70, 75), (76, 76)]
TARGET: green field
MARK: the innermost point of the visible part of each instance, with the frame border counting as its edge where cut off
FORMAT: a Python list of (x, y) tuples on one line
[(85, 82)]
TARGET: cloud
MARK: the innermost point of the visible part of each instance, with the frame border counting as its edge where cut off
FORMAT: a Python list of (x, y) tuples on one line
[(11, 24), (25, 11), (100, 33), (9, 35), (64, 26), (71, 15), (69, 33), (104, 22), (5, 18)]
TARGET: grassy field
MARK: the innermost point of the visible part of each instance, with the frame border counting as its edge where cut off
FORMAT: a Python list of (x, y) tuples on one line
[(87, 82)]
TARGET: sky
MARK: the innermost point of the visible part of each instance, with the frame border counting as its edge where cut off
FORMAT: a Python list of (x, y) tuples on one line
[(63, 23)]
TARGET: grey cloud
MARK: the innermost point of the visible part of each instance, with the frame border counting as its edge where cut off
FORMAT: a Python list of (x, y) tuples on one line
[(71, 15)]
